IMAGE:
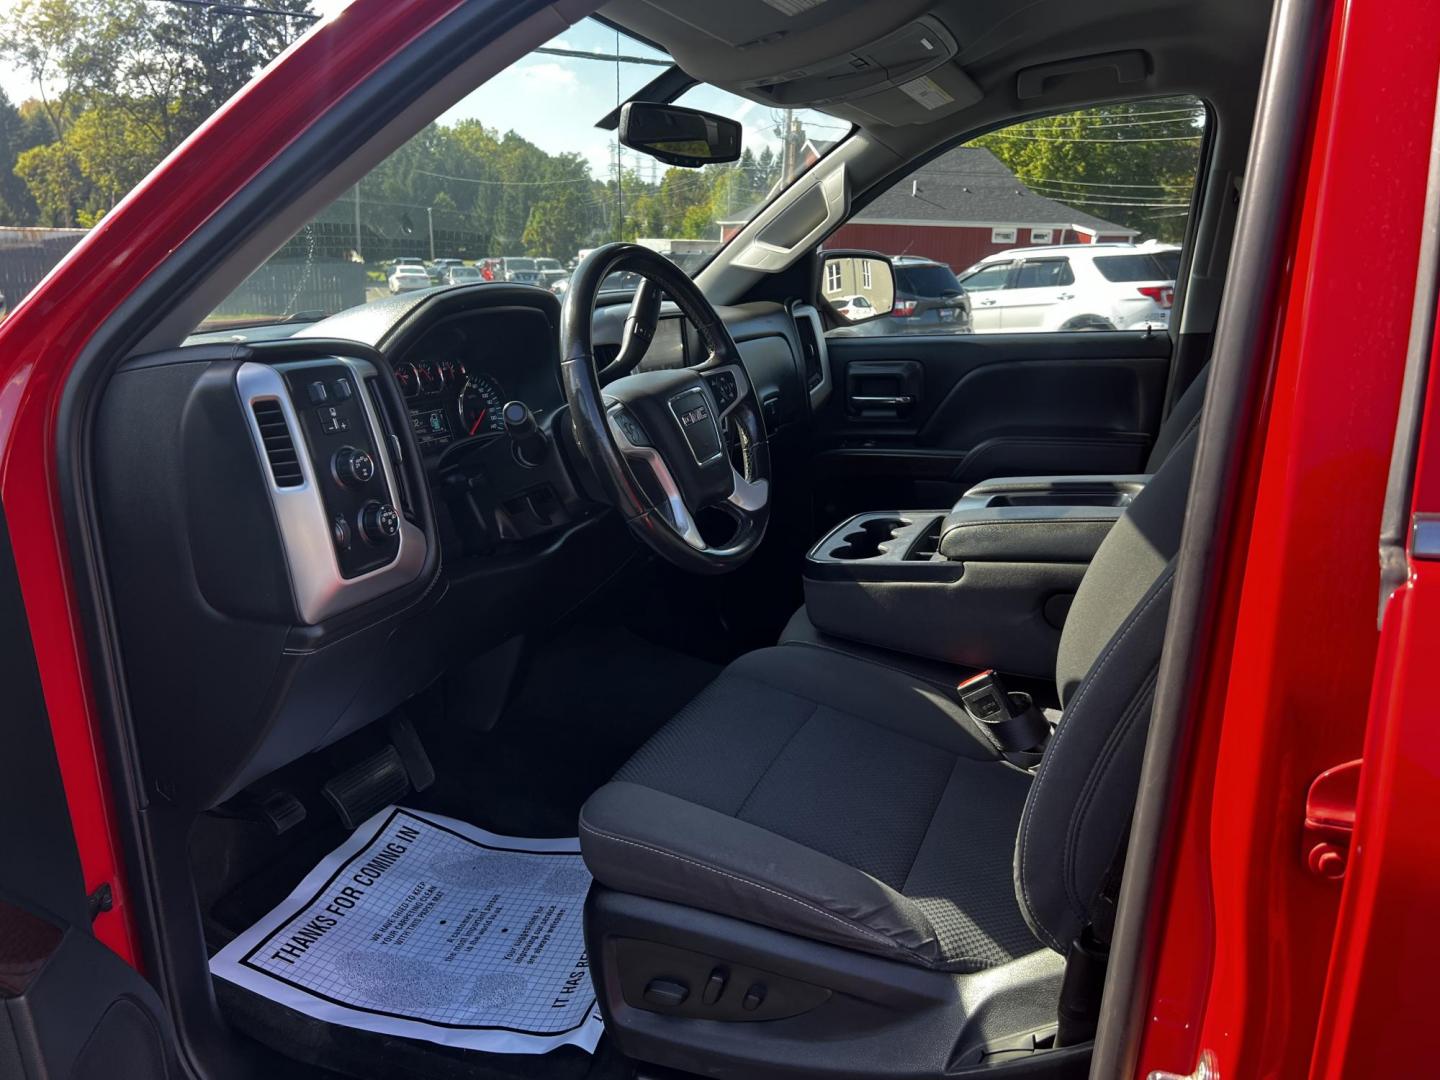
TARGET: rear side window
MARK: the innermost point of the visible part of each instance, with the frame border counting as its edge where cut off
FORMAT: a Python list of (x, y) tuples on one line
[(1112, 184), (1044, 273), (926, 280), (1131, 268)]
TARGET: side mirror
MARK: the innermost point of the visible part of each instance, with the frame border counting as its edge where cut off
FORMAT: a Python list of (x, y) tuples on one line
[(857, 285), (685, 137)]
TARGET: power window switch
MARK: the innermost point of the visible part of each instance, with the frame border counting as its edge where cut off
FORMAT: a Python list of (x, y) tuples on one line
[(667, 993)]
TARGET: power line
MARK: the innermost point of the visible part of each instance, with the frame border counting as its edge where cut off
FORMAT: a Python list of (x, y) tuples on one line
[(1131, 142), (244, 10), (578, 54)]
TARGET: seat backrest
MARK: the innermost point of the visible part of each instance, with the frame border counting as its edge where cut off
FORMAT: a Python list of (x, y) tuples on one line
[(1181, 421), (1084, 791)]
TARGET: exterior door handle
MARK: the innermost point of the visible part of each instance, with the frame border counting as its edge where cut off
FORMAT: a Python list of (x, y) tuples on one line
[(987, 303), (1066, 296)]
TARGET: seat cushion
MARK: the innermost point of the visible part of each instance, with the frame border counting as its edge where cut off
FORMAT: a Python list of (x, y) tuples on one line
[(828, 796)]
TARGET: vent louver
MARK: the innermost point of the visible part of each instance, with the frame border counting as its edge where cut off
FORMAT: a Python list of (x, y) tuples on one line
[(279, 443)]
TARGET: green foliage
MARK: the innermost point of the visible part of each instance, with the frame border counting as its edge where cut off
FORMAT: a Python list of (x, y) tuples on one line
[(18, 133), (1133, 164), (119, 83)]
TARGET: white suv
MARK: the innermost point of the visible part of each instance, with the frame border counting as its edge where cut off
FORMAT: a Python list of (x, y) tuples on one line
[(1072, 287)]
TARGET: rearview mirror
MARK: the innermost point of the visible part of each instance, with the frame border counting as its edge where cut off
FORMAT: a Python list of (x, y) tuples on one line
[(685, 137), (857, 285)]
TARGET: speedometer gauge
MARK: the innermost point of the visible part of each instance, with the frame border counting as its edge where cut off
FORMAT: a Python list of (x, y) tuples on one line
[(481, 402)]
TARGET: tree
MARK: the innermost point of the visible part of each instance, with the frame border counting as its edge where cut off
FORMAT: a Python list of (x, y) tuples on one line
[(129, 82), (1133, 164), (557, 224), (17, 205)]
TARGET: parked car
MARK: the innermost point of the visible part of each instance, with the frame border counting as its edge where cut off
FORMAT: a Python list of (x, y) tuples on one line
[(857, 307), (928, 298), (550, 271), (407, 277), (460, 275), (439, 267), (522, 270), (1071, 287)]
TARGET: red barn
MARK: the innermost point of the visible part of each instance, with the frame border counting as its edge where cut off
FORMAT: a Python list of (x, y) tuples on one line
[(963, 206)]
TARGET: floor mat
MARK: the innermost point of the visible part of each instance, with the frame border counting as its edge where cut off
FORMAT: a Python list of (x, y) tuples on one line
[(428, 928)]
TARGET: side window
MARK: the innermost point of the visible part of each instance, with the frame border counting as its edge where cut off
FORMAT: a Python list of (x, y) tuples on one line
[(992, 277), (1044, 274), (1091, 205)]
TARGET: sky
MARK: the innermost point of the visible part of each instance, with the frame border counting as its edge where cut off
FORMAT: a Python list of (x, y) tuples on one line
[(555, 101)]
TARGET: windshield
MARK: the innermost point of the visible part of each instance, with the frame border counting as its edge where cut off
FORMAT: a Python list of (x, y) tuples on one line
[(519, 179)]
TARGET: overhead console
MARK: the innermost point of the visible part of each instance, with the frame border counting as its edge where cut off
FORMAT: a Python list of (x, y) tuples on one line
[(889, 63)]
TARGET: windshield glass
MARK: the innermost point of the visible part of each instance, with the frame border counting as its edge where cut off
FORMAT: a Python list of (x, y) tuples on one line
[(518, 179)]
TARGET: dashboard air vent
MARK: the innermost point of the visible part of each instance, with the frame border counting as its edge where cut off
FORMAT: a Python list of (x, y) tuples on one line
[(810, 349), (279, 443)]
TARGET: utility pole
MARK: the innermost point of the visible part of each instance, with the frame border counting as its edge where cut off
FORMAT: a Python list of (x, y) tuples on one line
[(358, 250), (430, 223)]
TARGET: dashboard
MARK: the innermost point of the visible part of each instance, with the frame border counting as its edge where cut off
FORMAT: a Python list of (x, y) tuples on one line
[(298, 542)]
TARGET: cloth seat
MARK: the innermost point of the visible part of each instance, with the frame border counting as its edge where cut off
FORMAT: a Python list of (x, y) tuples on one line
[(830, 796), (841, 799)]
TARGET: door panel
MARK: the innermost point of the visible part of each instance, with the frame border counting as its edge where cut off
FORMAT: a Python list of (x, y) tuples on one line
[(69, 1007), (973, 407)]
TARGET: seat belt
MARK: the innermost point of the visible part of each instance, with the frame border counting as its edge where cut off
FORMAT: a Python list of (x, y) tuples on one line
[(1088, 957)]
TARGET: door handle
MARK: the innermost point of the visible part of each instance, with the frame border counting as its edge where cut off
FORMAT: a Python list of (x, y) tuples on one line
[(1066, 296), (896, 401), (987, 303)]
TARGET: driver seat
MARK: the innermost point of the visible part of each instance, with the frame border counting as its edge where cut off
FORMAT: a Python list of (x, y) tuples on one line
[(828, 844)]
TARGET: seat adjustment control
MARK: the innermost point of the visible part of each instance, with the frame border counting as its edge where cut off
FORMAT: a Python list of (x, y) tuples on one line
[(714, 987), (666, 992), (754, 997)]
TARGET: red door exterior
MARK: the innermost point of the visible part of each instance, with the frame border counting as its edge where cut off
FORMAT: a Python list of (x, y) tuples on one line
[(1245, 927)]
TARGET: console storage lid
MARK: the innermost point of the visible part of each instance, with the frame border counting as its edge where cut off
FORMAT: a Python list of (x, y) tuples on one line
[(1036, 518)]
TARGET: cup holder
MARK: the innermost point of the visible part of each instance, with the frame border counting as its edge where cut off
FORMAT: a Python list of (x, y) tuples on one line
[(868, 540)]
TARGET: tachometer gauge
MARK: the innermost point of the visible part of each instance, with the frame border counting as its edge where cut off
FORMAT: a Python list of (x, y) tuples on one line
[(481, 402), (408, 379)]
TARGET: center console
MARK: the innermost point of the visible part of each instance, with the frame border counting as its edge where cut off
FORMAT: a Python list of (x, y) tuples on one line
[(986, 584)]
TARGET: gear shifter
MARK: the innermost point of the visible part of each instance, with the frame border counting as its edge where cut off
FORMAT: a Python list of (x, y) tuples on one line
[(529, 443)]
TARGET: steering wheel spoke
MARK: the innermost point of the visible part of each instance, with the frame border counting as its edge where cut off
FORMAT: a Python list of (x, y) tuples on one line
[(635, 446)]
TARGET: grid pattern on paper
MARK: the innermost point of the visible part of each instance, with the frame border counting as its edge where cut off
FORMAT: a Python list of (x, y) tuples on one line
[(455, 933)]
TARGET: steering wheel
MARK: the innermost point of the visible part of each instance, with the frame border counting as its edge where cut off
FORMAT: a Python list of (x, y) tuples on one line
[(655, 440)]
